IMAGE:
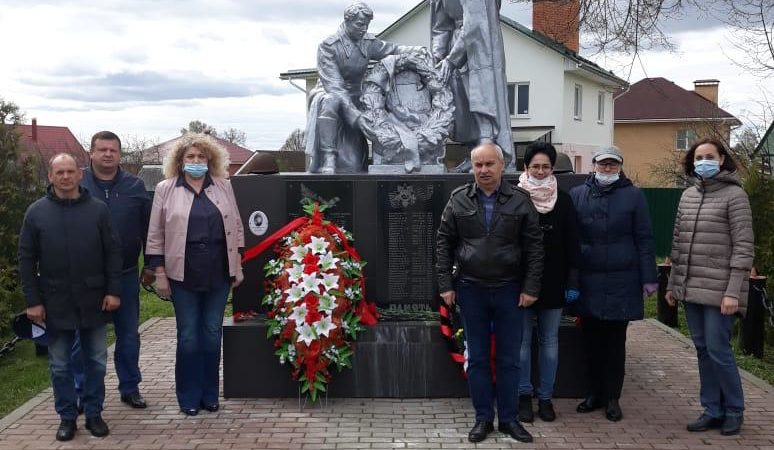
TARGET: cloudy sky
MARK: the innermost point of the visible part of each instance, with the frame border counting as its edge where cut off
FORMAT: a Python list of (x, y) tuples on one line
[(145, 68)]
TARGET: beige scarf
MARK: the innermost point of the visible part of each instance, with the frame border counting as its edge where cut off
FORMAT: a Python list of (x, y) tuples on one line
[(543, 196)]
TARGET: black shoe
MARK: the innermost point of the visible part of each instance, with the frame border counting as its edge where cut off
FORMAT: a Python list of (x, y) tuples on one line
[(134, 400), (589, 404), (189, 411), (211, 407), (464, 167), (704, 423), (525, 409), (79, 407), (66, 430), (515, 430), (546, 410), (97, 426), (613, 411), (731, 425), (480, 431)]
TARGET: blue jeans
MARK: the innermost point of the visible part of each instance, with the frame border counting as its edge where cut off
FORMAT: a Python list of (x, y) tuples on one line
[(126, 320), (721, 387), (485, 310), (199, 317), (548, 351), (94, 358)]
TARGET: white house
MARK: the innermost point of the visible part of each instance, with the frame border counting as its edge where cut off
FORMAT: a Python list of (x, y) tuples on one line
[(555, 95)]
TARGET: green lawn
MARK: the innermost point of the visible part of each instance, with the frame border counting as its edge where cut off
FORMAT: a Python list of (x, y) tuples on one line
[(761, 368), (24, 375)]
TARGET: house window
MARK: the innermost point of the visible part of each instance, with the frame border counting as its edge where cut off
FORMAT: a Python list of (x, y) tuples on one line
[(578, 164), (685, 138), (578, 102), (518, 98), (601, 107)]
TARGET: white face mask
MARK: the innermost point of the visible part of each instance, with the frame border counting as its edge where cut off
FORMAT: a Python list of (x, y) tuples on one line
[(536, 182), (606, 179)]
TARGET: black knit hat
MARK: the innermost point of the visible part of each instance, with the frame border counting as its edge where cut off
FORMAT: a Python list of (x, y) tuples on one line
[(540, 147)]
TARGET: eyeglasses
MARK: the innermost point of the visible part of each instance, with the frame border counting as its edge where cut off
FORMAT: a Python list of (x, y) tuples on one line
[(609, 165), (544, 167)]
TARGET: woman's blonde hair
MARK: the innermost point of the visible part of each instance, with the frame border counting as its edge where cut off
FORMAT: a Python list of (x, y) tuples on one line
[(217, 156)]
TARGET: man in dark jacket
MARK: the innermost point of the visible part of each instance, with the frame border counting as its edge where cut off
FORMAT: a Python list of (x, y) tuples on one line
[(129, 207), (491, 231), (70, 266)]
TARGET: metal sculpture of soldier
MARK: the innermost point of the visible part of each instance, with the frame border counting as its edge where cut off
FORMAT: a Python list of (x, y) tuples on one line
[(335, 127), (467, 46)]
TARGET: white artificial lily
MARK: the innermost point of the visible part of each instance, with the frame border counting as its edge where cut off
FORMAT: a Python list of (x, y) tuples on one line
[(298, 253), (306, 334), (318, 245), (330, 281), (324, 326), (299, 314), (327, 303), (295, 293), (328, 262), (310, 282), (295, 273)]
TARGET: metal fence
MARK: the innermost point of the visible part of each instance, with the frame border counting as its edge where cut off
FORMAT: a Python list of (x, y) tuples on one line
[(662, 203)]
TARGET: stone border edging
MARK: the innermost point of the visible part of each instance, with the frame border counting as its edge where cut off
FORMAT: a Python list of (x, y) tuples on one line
[(757, 382), (13, 416)]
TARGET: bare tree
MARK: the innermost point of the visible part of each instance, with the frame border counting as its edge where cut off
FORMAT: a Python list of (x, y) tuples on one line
[(234, 136), (294, 142), (197, 126), (753, 25), (132, 152)]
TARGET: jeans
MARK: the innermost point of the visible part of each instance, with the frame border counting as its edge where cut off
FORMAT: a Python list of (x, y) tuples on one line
[(94, 358), (485, 310), (548, 351), (721, 387), (199, 316), (126, 320)]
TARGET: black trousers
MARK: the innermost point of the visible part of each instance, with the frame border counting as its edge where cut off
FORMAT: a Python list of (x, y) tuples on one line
[(605, 342)]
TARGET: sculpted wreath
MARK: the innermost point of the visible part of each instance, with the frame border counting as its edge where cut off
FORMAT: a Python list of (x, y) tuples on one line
[(315, 289)]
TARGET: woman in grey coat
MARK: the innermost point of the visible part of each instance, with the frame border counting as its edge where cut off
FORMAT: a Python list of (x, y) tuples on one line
[(712, 254)]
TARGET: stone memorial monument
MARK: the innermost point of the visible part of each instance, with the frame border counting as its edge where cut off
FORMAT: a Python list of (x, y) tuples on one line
[(336, 123), (407, 101), (467, 46)]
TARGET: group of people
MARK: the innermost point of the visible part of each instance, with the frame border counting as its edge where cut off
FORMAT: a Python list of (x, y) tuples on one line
[(513, 258), (79, 251)]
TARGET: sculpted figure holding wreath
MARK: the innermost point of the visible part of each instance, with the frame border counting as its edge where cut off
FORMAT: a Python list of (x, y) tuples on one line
[(335, 126)]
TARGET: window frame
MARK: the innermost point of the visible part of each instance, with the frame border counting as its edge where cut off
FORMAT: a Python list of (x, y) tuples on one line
[(515, 86), (577, 102), (601, 97)]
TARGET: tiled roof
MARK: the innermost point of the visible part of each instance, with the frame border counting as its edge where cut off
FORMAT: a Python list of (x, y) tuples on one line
[(52, 140), (156, 154), (661, 99)]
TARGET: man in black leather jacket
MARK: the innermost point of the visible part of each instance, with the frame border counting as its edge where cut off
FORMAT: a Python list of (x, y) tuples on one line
[(491, 231)]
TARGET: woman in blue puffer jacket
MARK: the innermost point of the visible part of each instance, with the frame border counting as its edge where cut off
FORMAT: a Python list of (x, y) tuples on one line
[(617, 267)]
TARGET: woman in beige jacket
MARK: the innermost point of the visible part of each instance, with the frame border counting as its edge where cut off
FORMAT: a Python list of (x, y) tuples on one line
[(194, 242), (712, 254)]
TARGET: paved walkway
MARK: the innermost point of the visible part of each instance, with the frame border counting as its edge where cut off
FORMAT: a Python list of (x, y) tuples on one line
[(660, 397)]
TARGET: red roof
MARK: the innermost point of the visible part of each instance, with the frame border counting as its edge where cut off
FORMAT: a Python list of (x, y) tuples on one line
[(661, 99), (52, 140), (156, 154)]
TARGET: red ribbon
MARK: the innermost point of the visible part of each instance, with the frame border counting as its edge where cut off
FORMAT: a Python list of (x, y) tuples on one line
[(265, 244)]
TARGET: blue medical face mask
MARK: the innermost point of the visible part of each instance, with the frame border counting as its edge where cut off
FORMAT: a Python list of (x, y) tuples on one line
[(606, 179), (195, 170), (706, 168)]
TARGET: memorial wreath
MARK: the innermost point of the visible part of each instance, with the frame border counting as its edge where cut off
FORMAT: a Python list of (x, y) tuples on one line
[(316, 294)]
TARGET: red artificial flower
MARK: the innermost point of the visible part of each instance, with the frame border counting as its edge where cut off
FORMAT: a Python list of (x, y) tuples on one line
[(367, 313)]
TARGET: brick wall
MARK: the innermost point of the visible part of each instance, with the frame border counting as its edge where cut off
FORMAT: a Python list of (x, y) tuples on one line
[(558, 20)]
